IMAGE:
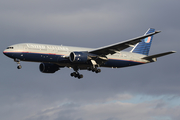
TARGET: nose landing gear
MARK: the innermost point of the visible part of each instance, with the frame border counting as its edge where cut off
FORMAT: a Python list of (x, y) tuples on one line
[(18, 62), (19, 67)]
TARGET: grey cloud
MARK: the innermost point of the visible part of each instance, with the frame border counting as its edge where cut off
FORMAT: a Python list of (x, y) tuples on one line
[(111, 111)]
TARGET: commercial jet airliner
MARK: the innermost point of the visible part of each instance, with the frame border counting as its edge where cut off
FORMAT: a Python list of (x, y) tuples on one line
[(54, 57)]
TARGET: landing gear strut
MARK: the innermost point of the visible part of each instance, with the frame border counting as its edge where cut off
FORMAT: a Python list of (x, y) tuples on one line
[(18, 62), (94, 67)]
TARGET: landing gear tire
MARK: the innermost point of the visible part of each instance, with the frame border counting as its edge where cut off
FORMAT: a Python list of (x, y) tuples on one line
[(80, 76), (76, 75), (98, 71), (19, 67), (73, 74), (94, 69)]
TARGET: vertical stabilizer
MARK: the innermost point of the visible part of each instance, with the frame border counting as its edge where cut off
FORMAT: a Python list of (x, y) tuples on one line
[(143, 47)]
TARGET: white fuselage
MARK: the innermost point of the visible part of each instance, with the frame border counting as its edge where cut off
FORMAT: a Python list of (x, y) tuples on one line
[(58, 54)]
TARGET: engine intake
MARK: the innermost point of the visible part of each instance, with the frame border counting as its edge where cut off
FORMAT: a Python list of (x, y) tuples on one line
[(48, 68), (79, 57)]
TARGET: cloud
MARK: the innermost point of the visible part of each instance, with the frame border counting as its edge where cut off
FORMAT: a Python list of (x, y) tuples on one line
[(151, 110)]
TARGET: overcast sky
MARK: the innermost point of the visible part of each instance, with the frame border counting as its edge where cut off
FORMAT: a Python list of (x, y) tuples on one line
[(146, 92)]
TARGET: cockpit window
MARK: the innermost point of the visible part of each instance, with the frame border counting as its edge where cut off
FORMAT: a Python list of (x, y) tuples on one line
[(10, 47)]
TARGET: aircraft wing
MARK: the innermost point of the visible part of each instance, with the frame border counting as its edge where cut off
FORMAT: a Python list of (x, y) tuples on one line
[(114, 48)]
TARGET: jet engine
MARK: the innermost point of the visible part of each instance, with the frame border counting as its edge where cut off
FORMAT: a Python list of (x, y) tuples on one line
[(79, 57), (48, 68)]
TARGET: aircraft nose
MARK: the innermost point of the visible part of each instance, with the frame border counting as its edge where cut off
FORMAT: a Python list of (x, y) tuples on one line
[(4, 52)]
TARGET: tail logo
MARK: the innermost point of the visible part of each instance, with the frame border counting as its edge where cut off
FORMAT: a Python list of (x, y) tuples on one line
[(147, 40)]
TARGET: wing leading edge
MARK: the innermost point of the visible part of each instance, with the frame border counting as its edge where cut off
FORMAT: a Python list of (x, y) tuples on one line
[(114, 48)]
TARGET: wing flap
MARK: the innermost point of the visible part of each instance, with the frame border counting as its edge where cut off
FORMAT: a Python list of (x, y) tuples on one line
[(114, 48)]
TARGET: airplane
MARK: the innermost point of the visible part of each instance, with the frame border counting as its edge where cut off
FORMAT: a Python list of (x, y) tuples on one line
[(54, 57)]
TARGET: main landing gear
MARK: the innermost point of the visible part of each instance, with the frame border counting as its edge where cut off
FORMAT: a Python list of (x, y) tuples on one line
[(79, 76), (76, 74), (94, 66), (18, 62), (96, 70)]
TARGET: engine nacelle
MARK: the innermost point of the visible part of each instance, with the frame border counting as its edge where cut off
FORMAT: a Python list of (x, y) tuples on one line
[(48, 68), (79, 57)]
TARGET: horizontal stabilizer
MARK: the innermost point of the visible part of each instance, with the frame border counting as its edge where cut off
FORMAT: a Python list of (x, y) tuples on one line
[(158, 55)]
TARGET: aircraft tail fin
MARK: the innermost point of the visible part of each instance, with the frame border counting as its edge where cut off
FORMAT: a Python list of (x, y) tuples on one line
[(143, 47)]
